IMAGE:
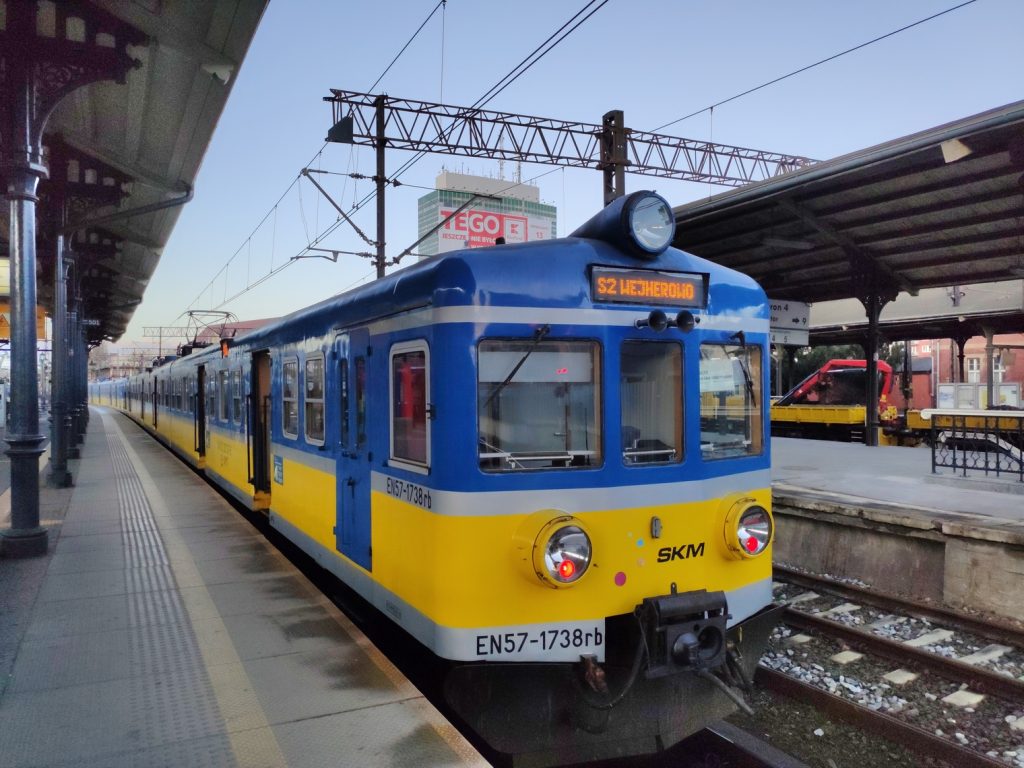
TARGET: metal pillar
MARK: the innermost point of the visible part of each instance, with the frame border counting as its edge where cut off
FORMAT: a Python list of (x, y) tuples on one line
[(38, 70), (907, 378), (778, 370), (25, 537), (381, 179), (873, 306), (74, 436), (59, 475), (613, 155), (790, 363), (961, 346), (77, 379), (989, 372)]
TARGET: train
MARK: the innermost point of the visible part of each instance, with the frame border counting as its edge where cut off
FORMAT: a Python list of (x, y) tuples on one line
[(546, 462), (829, 404)]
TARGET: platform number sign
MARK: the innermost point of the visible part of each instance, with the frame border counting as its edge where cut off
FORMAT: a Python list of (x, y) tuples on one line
[(789, 322)]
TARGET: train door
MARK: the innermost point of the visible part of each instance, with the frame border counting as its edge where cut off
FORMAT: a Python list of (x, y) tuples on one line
[(259, 428), (199, 423), (352, 529), (155, 400)]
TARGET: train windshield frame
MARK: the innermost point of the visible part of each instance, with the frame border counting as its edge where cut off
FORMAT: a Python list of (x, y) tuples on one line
[(539, 404), (731, 401)]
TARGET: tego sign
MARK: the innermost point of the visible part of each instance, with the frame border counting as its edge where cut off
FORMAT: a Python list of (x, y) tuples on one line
[(476, 229)]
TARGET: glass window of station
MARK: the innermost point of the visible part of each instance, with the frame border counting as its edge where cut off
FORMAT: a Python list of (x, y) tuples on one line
[(651, 395), (538, 404), (730, 401)]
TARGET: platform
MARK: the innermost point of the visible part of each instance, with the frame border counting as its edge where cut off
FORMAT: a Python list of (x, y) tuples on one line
[(880, 516), (163, 630)]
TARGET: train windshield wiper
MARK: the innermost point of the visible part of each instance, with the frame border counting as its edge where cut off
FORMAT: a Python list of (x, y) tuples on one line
[(742, 360), (538, 335)]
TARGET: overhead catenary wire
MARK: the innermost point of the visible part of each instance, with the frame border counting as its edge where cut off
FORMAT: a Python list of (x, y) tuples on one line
[(812, 66), (574, 22), (247, 240), (294, 181), (519, 70), (515, 73), (440, 4)]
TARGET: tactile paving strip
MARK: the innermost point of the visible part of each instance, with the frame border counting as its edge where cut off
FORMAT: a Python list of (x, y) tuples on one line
[(172, 696)]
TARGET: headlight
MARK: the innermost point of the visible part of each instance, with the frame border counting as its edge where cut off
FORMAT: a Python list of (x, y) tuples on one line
[(651, 222), (754, 530), (562, 552), (640, 224)]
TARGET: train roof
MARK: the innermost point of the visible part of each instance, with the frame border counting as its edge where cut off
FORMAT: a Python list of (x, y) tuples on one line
[(551, 273)]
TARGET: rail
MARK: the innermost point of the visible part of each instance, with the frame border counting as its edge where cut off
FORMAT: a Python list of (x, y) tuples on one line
[(977, 441)]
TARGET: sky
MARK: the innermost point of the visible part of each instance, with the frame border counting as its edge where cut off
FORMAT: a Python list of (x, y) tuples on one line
[(657, 60)]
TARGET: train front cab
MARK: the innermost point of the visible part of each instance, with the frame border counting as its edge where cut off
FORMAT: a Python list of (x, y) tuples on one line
[(599, 554)]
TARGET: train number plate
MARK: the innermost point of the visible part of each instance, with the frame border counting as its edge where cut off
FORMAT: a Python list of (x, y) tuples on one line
[(546, 643), (409, 492)]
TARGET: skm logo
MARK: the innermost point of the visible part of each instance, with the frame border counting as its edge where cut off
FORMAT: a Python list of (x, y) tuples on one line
[(682, 552)]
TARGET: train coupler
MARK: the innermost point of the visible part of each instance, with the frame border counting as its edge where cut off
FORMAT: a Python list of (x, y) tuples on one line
[(684, 631)]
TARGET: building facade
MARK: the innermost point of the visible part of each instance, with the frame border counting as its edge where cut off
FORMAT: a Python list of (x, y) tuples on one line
[(507, 209), (950, 390)]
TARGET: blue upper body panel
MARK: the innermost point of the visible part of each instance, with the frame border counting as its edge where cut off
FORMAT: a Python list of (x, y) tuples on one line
[(549, 275), (552, 273)]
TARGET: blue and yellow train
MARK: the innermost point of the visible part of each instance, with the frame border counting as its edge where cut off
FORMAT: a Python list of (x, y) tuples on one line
[(547, 462)]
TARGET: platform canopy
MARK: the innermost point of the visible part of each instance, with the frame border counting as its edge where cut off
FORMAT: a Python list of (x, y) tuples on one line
[(113, 147), (935, 209)]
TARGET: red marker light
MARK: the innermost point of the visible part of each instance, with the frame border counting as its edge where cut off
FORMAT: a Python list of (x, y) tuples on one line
[(562, 371), (751, 545), (566, 569)]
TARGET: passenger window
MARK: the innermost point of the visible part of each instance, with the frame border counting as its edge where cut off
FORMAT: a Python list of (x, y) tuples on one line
[(731, 400), (538, 404), (289, 399), (651, 392), (343, 384), (223, 400), (360, 402), (313, 417), (409, 396), (236, 391)]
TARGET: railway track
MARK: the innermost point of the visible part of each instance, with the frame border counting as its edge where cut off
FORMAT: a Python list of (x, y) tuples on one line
[(971, 721), (741, 749)]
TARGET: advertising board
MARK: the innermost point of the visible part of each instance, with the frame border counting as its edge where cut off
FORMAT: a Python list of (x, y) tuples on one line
[(475, 229)]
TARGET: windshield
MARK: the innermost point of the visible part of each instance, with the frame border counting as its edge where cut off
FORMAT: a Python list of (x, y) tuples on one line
[(537, 404), (650, 386), (730, 401)]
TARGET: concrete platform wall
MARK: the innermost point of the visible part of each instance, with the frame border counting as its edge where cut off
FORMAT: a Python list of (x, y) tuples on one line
[(947, 558)]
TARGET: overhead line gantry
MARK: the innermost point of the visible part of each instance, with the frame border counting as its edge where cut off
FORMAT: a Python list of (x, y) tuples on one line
[(382, 121), (442, 128)]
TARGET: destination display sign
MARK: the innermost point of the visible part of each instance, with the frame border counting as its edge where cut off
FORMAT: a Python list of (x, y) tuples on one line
[(645, 286)]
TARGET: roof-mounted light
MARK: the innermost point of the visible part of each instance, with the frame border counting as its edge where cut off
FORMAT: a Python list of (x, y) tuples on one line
[(641, 223), (651, 222)]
